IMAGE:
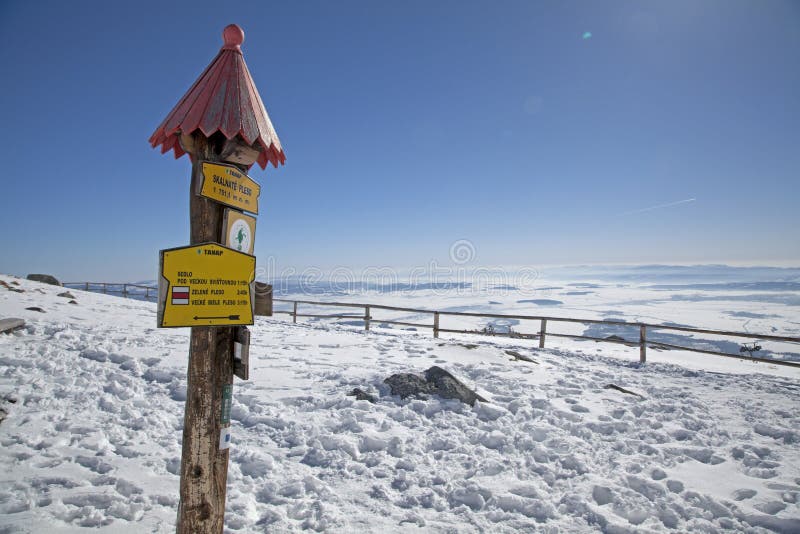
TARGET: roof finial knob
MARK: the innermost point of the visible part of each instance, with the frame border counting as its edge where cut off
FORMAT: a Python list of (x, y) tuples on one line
[(233, 36)]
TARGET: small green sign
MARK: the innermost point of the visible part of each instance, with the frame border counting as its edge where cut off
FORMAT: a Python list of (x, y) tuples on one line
[(227, 396)]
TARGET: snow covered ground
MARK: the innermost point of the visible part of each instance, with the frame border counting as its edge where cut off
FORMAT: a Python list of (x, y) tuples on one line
[(94, 399)]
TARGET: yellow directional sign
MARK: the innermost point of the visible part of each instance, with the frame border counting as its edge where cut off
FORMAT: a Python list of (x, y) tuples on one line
[(228, 185), (205, 285)]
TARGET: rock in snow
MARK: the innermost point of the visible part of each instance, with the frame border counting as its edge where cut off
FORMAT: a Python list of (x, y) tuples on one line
[(45, 279), (436, 381), (408, 385), (449, 387), (519, 356), (11, 324), (621, 390), (360, 394)]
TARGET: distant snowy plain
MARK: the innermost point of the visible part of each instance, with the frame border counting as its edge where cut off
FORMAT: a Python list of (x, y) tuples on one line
[(94, 399)]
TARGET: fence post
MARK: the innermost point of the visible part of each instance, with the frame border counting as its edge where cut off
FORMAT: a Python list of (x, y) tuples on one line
[(366, 318), (146, 294), (125, 290), (642, 343), (294, 313), (87, 286), (105, 288), (542, 332), (435, 324)]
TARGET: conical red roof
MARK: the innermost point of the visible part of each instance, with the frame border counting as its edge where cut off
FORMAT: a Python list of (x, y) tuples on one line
[(223, 99)]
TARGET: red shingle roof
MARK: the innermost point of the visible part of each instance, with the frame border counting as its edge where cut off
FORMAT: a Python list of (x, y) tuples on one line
[(223, 99)]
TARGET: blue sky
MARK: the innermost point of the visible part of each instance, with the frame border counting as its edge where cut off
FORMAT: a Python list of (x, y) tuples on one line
[(411, 125)]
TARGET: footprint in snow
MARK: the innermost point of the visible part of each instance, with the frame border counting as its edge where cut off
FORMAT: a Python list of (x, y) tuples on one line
[(771, 507), (675, 486), (744, 494), (94, 463)]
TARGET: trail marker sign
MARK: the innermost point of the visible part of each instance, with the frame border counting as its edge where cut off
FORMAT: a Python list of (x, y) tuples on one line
[(205, 285), (238, 231), (241, 352), (228, 185)]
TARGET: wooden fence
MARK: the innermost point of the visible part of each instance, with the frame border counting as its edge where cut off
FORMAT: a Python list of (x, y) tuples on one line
[(642, 328), (110, 288), (642, 342)]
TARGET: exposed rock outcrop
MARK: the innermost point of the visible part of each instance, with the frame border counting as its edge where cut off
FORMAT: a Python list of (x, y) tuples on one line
[(45, 279), (435, 381)]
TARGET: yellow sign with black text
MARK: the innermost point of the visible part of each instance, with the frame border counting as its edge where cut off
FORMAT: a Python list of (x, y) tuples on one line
[(228, 185), (205, 285)]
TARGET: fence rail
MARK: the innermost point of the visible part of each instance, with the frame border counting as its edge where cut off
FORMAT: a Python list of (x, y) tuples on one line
[(111, 288), (643, 343), (151, 292)]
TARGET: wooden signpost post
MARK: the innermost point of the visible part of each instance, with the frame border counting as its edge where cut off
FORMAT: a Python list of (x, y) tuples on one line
[(209, 285)]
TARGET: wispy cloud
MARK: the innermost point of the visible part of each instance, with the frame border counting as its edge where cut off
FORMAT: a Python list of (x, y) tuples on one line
[(659, 206)]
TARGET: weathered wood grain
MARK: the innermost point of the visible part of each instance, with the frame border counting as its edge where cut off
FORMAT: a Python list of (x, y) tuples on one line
[(204, 468)]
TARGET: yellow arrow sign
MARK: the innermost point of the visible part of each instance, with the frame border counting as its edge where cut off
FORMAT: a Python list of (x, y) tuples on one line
[(205, 285), (228, 185)]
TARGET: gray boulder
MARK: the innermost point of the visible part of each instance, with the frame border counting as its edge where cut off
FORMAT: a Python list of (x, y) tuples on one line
[(435, 381), (10, 324), (45, 279), (517, 356), (360, 394), (449, 387), (408, 385)]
